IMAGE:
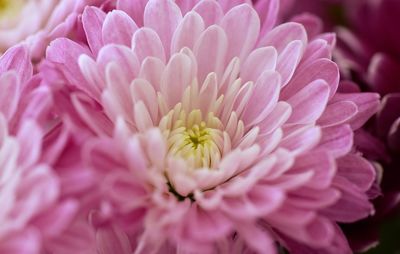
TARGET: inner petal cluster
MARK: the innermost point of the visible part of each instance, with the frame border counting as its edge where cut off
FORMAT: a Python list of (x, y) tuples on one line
[(199, 141)]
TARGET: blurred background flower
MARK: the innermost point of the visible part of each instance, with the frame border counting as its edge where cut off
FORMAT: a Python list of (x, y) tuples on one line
[(368, 53)]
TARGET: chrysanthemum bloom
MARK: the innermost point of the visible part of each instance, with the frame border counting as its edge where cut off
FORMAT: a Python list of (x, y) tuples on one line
[(39, 208), (216, 132)]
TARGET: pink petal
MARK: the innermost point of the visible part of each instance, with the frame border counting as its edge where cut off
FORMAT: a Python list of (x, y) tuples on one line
[(282, 35), (321, 69), (57, 219), (357, 170), (315, 50), (241, 25), (302, 140), (146, 43), (118, 28), (256, 238), (176, 77), (27, 242), (259, 61), (128, 64), (163, 16), (354, 204), (187, 32), (337, 113), (151, 70), (311, 199), (112, 240), (210, 51), (337, 140), (279, 115), (306, 110), (92, 74), (90, 114), (30, 136), (288, 60), (367, 105), (321, 164), (210, 11), (134, 9), (268, 11), (264, 98), (93, 19), (142, 90), (10, 94), (66, 53), (18, 59)]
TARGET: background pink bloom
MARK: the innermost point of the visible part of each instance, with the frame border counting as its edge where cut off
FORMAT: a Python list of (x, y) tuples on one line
[(39, 193), (214, 130), (368, 53)]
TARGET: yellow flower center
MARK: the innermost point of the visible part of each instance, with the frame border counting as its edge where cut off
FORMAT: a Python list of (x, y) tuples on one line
[(9, 8), (199, 141)]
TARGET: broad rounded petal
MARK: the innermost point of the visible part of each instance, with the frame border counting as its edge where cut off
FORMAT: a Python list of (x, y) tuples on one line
[(210, 11), (17, 58), (151, 70), (118, 28), (163, 16), (241, 25), (210, 51), (53, 225), (93, 19), (112, 240), (338, 113), (320, 69), (282, 35), (264, 98), (30, 136), (315, 50), (268, 11), (258, 61), (10, 94), (279, 115), (354, 204), (92, 74), (257, 239), (367, 105), (134, 9), (177, 75), (66, 53), (306, 110), (313, 24), (123, 56), (147, 43), (317, 233), (321, 164), (90, 114), (187, 32), (288, 60), (302, 140), (358, 170), (205, 225), (142, 90), (338, 140), (309, 198), (142, 117)]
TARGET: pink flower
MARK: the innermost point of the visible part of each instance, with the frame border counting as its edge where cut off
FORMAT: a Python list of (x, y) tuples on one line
[(37, 22), (214, 130), (39, 209)]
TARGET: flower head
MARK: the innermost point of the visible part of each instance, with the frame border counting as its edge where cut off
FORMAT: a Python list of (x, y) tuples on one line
[(215, 129)]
